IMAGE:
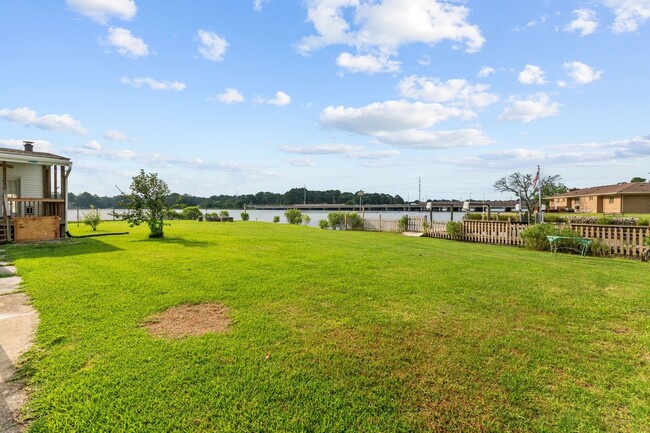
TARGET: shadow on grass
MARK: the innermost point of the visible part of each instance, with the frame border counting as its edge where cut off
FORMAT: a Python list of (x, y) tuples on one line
[(178, 241), (61, 248)]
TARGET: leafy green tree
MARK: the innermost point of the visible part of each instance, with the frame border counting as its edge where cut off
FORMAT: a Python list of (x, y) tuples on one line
[(306, 219), (191, 213), (276, 219), (638, 179), (293, 216), (244, 216), (146, 202), (92, 218)]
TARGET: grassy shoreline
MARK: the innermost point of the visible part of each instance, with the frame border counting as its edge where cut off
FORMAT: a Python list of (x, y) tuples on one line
[(334, 331)]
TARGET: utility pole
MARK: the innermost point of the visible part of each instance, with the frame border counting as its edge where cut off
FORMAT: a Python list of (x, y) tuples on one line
[(419, 189)]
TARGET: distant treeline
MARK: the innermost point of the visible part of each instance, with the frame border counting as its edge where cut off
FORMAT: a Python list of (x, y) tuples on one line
[(291, 197)]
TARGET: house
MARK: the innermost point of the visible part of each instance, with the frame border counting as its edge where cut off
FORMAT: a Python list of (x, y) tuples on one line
[(34, 194), (632, 197)]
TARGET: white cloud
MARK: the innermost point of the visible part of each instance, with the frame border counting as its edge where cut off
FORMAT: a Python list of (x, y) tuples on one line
[(115, 135), (213, 47), (589, 154), (582, 73), (39, 145), (380, 28), (102, 10), (54, 122), (387, 116), (323, 149), (154, 84), (281, 99), (630, 14), (369, 63), (163, 160), (585, 22), (301, 162), (427, 139), (258, 4), (231, 96), (424, 60), (348, 150), (403, 123), (92, 145), (532, 75), (126, 44), (534, 107), (486, 71), (456, 92)]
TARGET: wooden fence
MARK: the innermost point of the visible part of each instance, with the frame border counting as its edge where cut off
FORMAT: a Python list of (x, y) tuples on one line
[(622, 240)]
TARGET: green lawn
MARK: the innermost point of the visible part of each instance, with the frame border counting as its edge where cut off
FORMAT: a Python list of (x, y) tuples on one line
[(334, 332)]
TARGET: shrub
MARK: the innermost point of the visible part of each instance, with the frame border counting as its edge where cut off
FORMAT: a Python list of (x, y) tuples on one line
[(293, 216), (211, 216), (224, 213), (306, 219), (454, 229), (605, 220), (643, 222), (171, 214), (534, 237), (474, 216), (403, 223), (191, 213), (92, 218), (244, 216), (276, 219), (324, 224), (555, 218), (336, 220), (354, 221), (599, 249)]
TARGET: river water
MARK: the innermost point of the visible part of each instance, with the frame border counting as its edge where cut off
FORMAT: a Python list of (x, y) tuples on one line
[(265, 215)]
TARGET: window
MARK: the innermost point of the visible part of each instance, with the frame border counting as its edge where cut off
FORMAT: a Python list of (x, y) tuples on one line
[(611, 200), (591, 198)]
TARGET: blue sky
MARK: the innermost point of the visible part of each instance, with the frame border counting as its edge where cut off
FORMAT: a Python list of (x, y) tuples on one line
[(220, 97)]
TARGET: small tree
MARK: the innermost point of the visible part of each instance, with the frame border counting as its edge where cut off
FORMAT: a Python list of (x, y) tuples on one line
[(403, 223), (638, 179), (293, 216), (454, 229), (146, 202), (276, 219), (244, 216), (324, 224), (522, 185), (224, 213), (306, 219), (92, 218), (191, 213)]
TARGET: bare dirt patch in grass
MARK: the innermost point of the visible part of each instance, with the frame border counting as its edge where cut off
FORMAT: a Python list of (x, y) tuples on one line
[(189, 319)]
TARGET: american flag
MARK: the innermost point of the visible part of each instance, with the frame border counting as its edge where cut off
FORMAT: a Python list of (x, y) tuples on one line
[(536, 178)]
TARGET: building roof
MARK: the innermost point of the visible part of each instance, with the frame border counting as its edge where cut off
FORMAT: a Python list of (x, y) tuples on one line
[(618, 189), (17, 155)]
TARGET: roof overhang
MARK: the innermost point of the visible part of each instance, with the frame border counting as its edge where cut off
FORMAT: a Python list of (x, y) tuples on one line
[(34, 159)]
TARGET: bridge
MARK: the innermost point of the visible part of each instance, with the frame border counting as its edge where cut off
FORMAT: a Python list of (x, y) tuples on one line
[(436, 206)]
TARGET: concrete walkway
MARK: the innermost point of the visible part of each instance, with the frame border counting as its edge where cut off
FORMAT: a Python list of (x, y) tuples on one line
[(18, 321)]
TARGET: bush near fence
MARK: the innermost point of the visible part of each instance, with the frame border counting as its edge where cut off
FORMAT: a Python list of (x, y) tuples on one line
[(622, 240)]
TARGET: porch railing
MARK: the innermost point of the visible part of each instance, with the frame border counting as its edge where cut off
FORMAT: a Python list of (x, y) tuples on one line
[(36, 207)]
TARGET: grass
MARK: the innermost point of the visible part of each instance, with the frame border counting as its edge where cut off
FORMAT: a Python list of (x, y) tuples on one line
[(334, 332)]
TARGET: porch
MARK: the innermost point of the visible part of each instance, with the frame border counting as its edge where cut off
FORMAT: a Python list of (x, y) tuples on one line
[(33, 194)]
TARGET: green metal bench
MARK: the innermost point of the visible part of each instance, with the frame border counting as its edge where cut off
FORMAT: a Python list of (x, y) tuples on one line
[(556, 242)]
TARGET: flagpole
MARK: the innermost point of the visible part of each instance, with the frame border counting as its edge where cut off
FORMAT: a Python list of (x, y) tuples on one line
[(539, 181)]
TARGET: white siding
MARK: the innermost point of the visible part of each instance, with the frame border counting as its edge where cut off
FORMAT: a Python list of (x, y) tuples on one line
[(31, 179)]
